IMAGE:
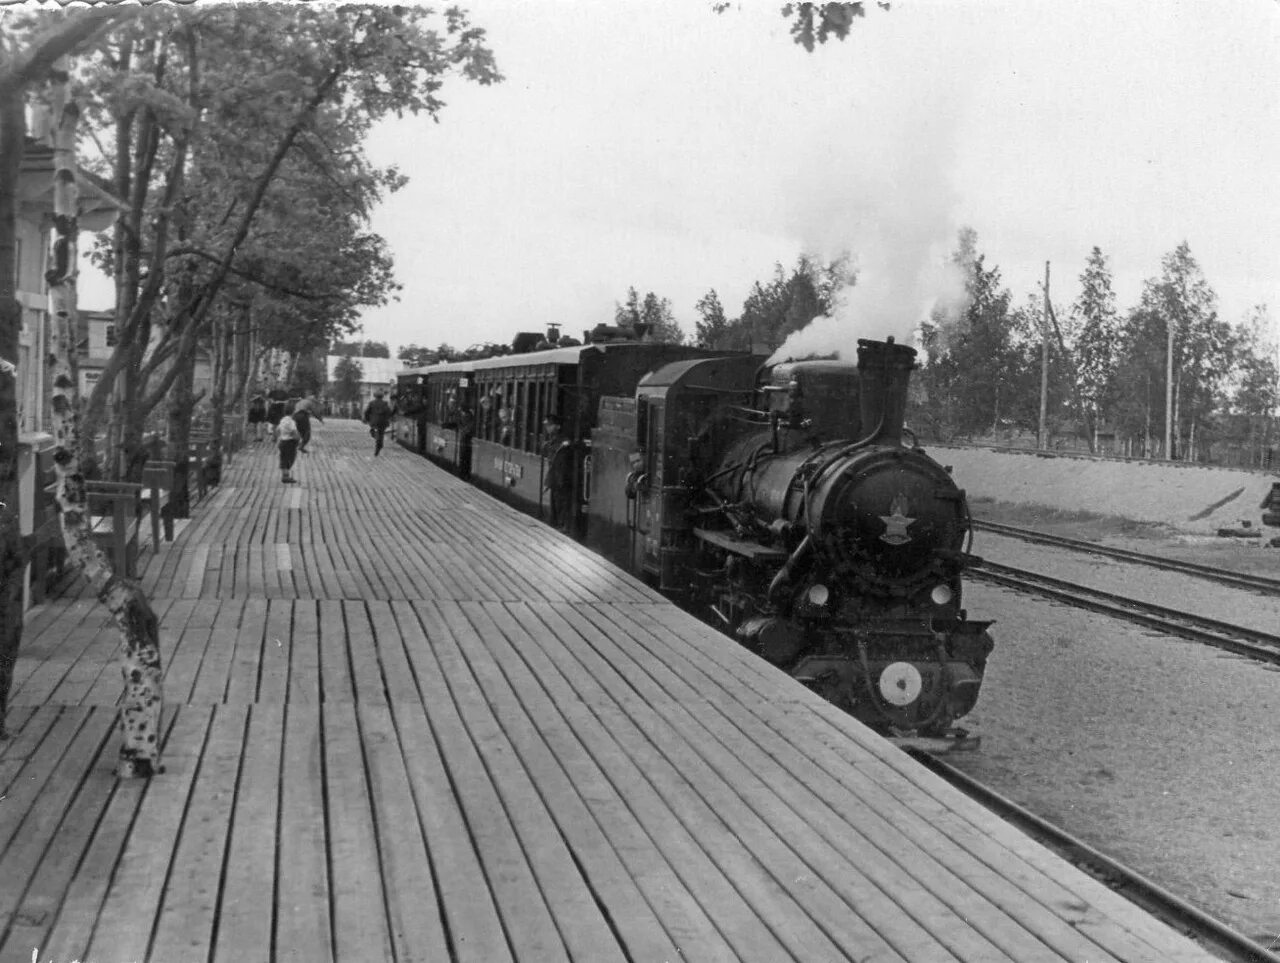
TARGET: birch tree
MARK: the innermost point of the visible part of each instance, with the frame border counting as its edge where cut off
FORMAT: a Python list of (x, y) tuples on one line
[(28, 50), (267, 97)]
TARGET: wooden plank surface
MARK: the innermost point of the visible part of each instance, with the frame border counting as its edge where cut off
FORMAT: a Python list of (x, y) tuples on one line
[(405, 723)]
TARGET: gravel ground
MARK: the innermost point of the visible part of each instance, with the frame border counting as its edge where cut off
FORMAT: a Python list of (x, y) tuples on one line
[(1164, 754), (1161, 753)]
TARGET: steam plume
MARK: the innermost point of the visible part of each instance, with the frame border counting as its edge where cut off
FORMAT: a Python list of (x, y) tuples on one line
[(890, 206)]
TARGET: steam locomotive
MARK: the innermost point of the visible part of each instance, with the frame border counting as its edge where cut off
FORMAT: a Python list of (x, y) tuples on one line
[(776, 501)]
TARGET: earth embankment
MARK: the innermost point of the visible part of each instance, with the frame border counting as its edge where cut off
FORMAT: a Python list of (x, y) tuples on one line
[(1189, 498)]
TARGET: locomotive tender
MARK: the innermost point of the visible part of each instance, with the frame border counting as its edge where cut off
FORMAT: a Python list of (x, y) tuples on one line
[(778, 502)]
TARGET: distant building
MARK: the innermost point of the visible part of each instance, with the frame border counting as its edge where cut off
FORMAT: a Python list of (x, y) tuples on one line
[(376, 374)]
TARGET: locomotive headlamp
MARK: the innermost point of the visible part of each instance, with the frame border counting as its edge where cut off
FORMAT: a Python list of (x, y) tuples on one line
[(819, 595), (941, 594)]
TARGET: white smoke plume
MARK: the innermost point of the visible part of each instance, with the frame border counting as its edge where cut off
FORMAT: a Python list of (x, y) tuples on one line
[(890, 204)]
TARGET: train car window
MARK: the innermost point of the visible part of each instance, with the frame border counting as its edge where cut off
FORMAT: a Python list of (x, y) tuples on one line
[(506, 420), (535, 416), (517, 406), (524, 409), (642, 424), (653, 444), (488, 413), (544, 404)]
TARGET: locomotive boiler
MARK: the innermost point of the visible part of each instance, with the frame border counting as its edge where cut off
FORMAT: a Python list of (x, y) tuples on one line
[(783, 504)]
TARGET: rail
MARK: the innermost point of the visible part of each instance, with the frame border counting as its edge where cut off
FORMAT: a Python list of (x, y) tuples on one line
[(1211, 933), (1263, 646), (1260, 583)]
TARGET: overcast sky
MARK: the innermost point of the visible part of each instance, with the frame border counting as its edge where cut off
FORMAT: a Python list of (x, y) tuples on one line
[(656, 144)]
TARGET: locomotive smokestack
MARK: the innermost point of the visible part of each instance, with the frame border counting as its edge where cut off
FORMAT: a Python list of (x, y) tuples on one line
[(884, 370)]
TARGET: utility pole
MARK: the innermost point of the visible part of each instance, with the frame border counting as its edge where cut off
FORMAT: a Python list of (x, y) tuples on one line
[(1168, 390), (1042, 436)]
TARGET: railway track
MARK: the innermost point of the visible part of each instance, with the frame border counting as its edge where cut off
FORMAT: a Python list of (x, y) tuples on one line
[(1214, 935), (1263, 646), (1257, 583)]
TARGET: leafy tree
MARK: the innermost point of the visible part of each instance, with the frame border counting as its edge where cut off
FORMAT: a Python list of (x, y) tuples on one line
[(1097, 346), (1186, 306), (978, 371), (309, 375), (815, 23), (271, 105), (788, 302), (1138, 390), (713, 330), (656, 313), (361, 349), (653, 314), (1257, 393), (416, 357), (347, 378)]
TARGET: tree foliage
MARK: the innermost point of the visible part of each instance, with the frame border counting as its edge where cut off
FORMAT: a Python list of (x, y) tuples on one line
[(235, 133), (652, 315), (347, 376), (361, 349), (712, 330), (417, 357), (816, 23)]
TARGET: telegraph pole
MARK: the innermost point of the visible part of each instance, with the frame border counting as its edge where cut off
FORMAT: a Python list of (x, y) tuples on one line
[(1168, 390), (1042, 436)]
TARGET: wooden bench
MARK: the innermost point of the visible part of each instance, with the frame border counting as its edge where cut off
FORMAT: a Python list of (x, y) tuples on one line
[(115, 517), (157, 489)]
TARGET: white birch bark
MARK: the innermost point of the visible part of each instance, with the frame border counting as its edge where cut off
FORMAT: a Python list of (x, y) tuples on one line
[(139, 721)]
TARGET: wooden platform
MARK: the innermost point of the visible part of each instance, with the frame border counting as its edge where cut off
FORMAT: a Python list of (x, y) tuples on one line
[(406, 723)]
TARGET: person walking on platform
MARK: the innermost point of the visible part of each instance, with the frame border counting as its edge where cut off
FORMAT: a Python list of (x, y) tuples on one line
[(257, 415), (303, 412), (276, 399), (287, 442), (378, 417)]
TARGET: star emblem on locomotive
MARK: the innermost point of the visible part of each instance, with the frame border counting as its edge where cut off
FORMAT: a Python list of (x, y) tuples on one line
[(897, 521)]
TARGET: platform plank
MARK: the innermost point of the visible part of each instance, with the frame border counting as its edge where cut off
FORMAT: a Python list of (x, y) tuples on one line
[(81, 906), (403, 722), (246, 907), (304, 924), (188, 913), (407, 878)]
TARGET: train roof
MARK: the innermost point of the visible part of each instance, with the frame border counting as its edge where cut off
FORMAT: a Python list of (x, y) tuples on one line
[(573, 355), (549, 356), (673, 371)]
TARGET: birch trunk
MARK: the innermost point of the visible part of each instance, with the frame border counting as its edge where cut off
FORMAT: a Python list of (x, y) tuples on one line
[(218, 397), (139, 720), (13, 556)]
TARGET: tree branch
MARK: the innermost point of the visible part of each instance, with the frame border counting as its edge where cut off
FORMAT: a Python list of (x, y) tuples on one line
[(63, 38)]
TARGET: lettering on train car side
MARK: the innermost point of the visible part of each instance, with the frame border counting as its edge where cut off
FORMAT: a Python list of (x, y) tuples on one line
[(512, 469)]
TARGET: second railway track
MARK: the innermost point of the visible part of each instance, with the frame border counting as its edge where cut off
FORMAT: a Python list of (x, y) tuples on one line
[(1258, 583), (1217, 937), (1263, 646)]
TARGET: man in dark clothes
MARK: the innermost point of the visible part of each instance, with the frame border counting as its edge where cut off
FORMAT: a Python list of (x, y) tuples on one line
[(378, 417), (257, 416), (303, 412), (557, 475)]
